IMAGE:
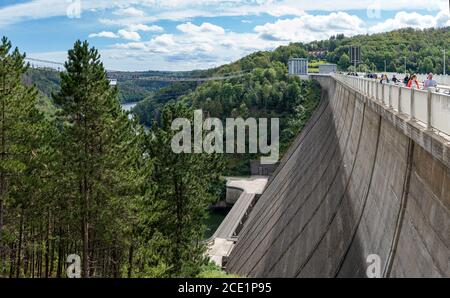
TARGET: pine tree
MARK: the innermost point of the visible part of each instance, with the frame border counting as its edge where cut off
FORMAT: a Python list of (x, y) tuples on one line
[(175, 212), (100, 156), (21, 141)]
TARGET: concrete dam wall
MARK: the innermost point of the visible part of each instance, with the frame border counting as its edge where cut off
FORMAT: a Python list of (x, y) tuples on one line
[(359, 180)]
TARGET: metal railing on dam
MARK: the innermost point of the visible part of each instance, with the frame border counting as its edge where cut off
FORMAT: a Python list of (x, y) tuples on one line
[(363, 186), (430, 108), (439, 78)]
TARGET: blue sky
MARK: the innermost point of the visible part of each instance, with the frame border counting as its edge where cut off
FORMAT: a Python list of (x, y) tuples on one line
[(198, 34)]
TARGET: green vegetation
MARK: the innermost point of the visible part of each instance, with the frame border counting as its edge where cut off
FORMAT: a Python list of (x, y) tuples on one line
[(212, 271), (422, 49), (77, 176), (87, 180), (176, 209), (265, 91), (47, 82), (313, 66), (149, 109), (23, 160), (99, 150)]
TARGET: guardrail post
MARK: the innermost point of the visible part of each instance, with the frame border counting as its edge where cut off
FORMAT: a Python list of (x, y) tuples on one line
[(399, 103), (429, 114), (372, 86), (376, 91), (382, 94), (390, 96), (413, 112)]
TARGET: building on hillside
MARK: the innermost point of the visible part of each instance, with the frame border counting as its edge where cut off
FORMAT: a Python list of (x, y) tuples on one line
[(317, 54), (327, 68), (298, 66), (259, 169)]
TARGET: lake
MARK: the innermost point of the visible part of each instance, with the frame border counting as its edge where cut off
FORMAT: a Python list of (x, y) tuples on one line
[(129, 106), (215, 218)]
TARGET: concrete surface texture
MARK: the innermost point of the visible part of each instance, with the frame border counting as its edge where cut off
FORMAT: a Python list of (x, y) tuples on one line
[(358, 181), (236, 186), (253, 185), (219, 248), (223, 240)]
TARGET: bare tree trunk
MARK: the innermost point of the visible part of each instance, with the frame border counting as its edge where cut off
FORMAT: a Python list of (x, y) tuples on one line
[(86, 213), (2, 253), (2, 175), (60, 254), (52, 257), (85, 237), (33, 258), (130, 261), (12, 257), (26, 256), (47, 247), (19, 249)]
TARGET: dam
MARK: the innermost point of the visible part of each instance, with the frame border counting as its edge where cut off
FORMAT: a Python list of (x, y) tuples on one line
[(368, 175)]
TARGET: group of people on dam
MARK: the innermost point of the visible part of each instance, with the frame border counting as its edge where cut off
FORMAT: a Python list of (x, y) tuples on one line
[(409, 81)]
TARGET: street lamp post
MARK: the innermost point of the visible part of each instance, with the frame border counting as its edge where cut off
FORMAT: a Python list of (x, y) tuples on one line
[(405, 66), (445, 72)]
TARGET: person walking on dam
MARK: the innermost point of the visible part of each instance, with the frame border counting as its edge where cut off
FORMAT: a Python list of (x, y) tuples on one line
[(406, 80), (429, 83), (413, 81), (394, 79)]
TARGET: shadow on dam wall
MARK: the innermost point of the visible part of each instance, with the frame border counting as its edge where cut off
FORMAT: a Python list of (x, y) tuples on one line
[(351, 185)]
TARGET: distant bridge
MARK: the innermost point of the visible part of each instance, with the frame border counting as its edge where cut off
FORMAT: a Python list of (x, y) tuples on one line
[(44, 61), (117, 75), (189, 79)]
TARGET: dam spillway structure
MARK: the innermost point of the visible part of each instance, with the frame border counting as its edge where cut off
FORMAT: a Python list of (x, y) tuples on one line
[(368, 175)]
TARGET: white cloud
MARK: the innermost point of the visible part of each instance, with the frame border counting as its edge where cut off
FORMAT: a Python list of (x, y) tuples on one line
[(205, 45), (129, 12), (184, 9), (308, 27), (284, 10), (203, 28), (412, 20), (129, 35), (145, 28), (131, 46), (106, 34)]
